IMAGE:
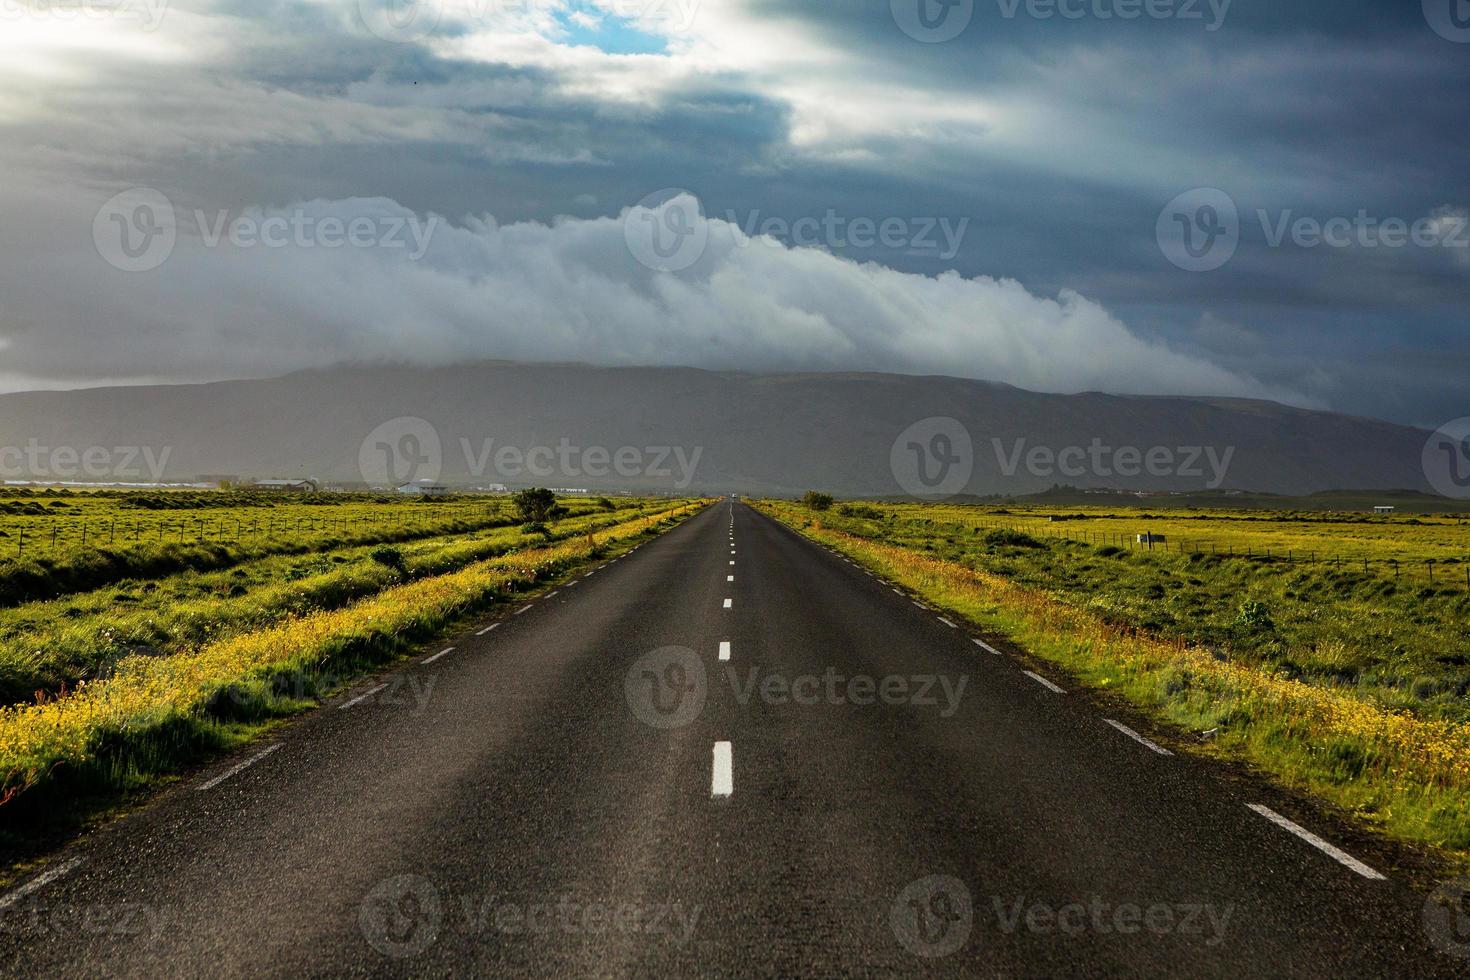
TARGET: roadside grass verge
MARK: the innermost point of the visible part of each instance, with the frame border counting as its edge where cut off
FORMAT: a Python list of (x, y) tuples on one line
[(1407, 777), (156, 715)]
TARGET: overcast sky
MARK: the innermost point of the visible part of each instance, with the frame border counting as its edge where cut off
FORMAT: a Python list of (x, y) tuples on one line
[(997, 189)]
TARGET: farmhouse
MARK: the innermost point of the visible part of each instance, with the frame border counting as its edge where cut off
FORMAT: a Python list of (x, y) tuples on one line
[(286, 486), (423, 488)]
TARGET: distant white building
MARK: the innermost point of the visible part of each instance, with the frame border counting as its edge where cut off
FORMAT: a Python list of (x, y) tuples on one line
[(423, 488), (1383, 509), (288, 486)]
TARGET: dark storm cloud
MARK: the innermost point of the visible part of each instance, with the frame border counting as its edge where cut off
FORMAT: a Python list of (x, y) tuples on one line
[(1058, 141)]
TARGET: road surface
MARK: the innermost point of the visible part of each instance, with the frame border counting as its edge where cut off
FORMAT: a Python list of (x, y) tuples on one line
[(730, 753)]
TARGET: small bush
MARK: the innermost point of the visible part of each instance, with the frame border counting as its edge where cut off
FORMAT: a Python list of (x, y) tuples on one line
[(391, 558), (1006, 538), (817, 501)]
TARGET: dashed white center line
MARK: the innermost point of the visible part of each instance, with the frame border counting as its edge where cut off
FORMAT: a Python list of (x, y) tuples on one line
[(39, 882), (552, 595), (363, 697), (724, 649), (732, 562), (947, 622), (729, 578), (522, 609), (1043, 682), (722, 782), (570, 584), (920, 604), (1146, 743), (1337, 854), (487, 629), (240, 768), (729, 603), (896, 592), (986, 647), (429, 660)]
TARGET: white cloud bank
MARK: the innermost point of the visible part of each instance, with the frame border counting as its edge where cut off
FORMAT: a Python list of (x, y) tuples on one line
[(571, 290)]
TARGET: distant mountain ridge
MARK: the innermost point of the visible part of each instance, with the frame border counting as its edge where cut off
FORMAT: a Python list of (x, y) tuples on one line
[(682, 428)]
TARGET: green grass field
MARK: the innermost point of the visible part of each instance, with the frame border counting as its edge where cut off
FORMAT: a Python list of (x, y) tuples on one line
[(1346, 679), (145, 655)]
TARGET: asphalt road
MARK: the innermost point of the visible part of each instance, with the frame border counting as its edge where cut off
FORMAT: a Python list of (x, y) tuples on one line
[(589, 789)]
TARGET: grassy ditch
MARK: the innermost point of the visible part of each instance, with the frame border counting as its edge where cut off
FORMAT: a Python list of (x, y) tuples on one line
[(1405, 775)]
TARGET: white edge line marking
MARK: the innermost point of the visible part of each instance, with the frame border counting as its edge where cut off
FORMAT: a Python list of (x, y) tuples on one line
[(40, 881), (556, 593), (722, 781), (920, 604), (986, 646), (947, 623), (571, 583), (429, 660), (523, 609), (729, 603), (896, 592), (1043, 682), (487, 629), (363, 697), (1146, 743), (724, 649), (1336, 853), (240, 768)]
